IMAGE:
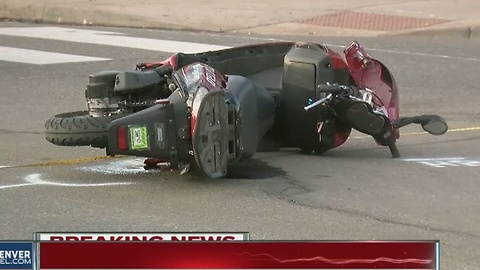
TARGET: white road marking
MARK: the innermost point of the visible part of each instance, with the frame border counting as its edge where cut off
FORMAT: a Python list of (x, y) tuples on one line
[(41, 57), (36, 180), (119, 39), (413, 53), (446, 162), (433, 159), (108, 38), (2, 167), (338, 46), (16, 185)]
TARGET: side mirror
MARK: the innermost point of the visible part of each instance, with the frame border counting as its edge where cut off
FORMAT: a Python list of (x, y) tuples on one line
[(436, 126)]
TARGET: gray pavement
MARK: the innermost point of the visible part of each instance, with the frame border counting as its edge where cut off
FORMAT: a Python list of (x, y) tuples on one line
[(354, 192), (342, 17)]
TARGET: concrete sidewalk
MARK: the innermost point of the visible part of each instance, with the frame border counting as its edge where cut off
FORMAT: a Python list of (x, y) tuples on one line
[(446, 18)]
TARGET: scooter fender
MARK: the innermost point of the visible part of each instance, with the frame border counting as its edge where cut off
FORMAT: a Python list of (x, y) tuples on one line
[(368, 72)]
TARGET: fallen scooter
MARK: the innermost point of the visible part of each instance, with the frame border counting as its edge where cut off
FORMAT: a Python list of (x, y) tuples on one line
[(215, 109)]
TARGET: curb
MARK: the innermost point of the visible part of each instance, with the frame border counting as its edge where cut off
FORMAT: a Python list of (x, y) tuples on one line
[(30, 13), (69, 15), (74, 16), (464, 32)]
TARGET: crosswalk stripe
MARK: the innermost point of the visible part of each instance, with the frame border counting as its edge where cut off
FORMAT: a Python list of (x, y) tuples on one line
[(108, 38), (41, 57)]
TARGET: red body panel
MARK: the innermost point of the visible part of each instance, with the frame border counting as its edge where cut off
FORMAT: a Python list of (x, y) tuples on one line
[(371, 73), (338, 61), (172, 61), (197, 80)]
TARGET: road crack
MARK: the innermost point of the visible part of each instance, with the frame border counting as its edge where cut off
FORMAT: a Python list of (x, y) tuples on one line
[(291, 188)]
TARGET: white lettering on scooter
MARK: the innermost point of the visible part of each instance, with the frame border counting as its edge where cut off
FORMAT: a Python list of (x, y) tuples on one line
[(210, 76), (446, 162)]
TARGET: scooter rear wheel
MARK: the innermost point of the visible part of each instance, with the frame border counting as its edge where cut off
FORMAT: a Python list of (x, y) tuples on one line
[(79, 129)]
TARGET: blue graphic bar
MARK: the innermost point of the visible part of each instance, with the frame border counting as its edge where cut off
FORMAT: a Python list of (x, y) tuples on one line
[(16, 255)]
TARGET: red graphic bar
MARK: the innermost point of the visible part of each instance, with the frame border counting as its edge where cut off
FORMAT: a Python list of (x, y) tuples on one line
[(231, 255)]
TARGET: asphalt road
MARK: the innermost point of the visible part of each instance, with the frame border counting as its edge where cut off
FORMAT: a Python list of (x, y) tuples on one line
[(354, 192)]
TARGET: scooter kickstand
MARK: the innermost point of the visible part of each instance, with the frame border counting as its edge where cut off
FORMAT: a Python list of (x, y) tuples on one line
[(394, 150)]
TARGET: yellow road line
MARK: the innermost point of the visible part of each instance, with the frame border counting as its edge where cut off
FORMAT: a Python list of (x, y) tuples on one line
[(423, 132), (464, 129), (67, 162)]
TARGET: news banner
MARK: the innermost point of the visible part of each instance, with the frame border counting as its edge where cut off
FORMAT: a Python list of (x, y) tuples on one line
[(222, 250)]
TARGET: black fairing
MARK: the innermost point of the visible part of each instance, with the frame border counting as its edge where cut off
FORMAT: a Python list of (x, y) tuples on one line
[(230, 124), (304, 69), (101, 84), (257, 112), (243, 60), (168, 132)]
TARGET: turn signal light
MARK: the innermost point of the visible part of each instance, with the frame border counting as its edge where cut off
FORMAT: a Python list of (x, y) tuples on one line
[(121, 139)]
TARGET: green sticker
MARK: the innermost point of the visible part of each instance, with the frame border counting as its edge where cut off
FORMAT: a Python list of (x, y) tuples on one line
[(138, 138)]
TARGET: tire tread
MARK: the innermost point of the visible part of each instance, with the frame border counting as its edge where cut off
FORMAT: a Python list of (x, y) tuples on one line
[(78, 129)]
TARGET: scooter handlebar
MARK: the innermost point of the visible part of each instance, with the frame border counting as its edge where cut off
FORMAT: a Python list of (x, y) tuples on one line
[(332, 88)]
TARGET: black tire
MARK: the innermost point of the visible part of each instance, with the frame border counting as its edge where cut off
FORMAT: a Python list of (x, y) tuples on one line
[(79, 129)]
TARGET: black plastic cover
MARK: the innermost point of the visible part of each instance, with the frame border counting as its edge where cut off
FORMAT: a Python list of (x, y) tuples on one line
[(304, 69), (256, 114), (101, 84), (133, 80), (161, 131)]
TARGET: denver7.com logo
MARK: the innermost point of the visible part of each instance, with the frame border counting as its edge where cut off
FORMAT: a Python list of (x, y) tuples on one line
[(15, 257)]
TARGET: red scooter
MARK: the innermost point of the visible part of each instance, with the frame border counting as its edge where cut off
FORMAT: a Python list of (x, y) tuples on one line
[(215, 109)]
